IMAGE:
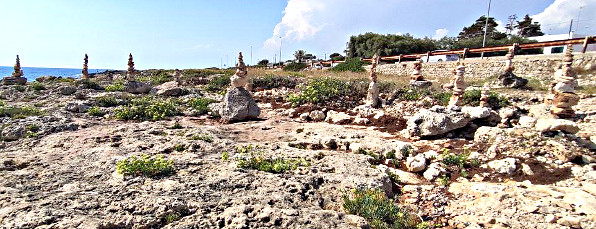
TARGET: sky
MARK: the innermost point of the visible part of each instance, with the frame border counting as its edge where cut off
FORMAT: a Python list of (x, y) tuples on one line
[(199, 34)]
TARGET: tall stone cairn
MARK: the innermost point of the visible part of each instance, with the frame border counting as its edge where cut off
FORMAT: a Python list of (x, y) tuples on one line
[(131, 72), (18, 72), (239, 78), (85, 67), (484, 96), (416, 76), (459, 86), (372, 97), (563, 88), (238, 104), (509, 58)]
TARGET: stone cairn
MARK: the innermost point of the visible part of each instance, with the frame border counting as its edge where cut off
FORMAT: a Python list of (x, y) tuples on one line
[(131, 72), (484, 96), (507, 78), (372, 97), (458, 86), (416, 79), (563, 88), (85, 68), (238, 104), (17, 75)]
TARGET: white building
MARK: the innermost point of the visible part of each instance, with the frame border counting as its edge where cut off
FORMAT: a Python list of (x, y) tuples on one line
[(562, 49)]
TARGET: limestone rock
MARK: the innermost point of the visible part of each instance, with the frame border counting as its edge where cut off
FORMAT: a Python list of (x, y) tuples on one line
[(317, 115), (436, 121), (12, 132), (14, 80), (338, 117), (238, 105), (504, 166), (527, 121), (434, 170), (77, 107), (67, 90), (170, 89), (548, 125), (476, 112), (407, 177), (135, 87), (416, 164), (508, 79)]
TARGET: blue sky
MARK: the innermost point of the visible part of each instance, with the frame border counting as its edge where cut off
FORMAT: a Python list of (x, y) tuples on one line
[(198, 34)]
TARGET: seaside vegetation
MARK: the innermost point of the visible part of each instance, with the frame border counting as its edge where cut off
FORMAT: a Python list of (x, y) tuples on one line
[(294, 67), (378, 210), (116, 86), (37, 86), (202, 137), (200, 105), (352, 65), (250, 157), (18, 112), (271, 81), (144, 165), (319, 90), (218, 83), (147, 108), (96, 111), (88, 84)]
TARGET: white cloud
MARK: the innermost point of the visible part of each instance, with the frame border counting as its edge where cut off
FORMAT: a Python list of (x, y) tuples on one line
[(298, 22), (501, 26), (440, 33), (555, 18)]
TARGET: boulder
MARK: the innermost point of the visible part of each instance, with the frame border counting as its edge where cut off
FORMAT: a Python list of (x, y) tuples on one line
[(527, 122), (416, 164), (436, 121), (12, 132), (508, 79), (338, 117), (135, 87), (504, 166), (549, 125), (77, 107), (434, 170), (170, 89), (14, 80), (317, 115), (420, 83), (238, 105), (407, 177), (304, 117), (67, 90), (476, 112)]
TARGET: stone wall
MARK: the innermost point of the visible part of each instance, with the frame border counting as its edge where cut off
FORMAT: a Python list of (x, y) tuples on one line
[(540, 67)]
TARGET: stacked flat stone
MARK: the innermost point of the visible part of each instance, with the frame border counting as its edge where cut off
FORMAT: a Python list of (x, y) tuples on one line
[(484, 96), (85, 68), (509, 59), (131, 72), (416, 79), (238, 104), (17, 75), (459, 86), (372, 97), (564, 88), (507, 78)]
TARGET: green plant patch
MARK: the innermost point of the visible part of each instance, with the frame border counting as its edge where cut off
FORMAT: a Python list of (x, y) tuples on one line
[(115, 86), (88, 84), (352, 65), (294, 67), (110, 101), (495, 101), (144, 165), (200, 105), (37, 86), (320, 90), (250, 157), (19, 112), (378, 210), (271, 81), (147, 109), (96, 111), (202, 137), (218, 83)]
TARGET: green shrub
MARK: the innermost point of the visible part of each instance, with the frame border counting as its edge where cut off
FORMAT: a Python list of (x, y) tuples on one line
[(88, 84), (146, 166), (96, 111), (320, 90), (378, 210), (249, 157), (37, 86), (147, 109), (472, 98), (156, 77), (218, 83), (294, 67), (32, 130), (115, 86), (410, 94), (200, 105), (20, 88), (18, 112), (352, 65), (202, 137), (271, 81), (109, 101), (201, 73)]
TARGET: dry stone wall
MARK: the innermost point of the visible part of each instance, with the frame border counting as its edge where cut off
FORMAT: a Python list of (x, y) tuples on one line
[(541, 67)]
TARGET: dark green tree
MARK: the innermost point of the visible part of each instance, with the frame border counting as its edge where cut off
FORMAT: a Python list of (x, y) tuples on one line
[(368, 44), (527, 28), (477, 29), (263, 62), (299, 55)]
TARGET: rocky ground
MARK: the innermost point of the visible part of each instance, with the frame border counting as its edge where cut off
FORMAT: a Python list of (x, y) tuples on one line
[(513, 167)]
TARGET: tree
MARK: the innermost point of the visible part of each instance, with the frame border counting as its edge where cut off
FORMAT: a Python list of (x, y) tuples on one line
[(528, 29), (477, 29), (263, 62), (368, 44), (336, 56), (299, 55)]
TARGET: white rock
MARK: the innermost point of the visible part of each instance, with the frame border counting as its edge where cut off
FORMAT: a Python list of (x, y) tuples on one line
[(547, 125), (503, 166), (476, 112), (304, 116), (338, 117), (527, 121), (407, 177), (317, 115), (431, 154), (416, 164), (527, 170), (433, 171)]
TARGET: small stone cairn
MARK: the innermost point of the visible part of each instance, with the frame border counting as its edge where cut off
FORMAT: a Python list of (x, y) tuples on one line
[(484, 96), (507, 78), (238, 104), (85, 68), (372, 97), (458, 86), (17, 75), (131, 72), (563, 88), (416, 79)]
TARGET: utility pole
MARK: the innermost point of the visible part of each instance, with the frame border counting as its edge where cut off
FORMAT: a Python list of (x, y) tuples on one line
[(485, 29), (251, 63), (280, 44), (570, 25)]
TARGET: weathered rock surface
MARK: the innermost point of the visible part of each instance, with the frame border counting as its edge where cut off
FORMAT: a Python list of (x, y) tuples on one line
[(436, 121), (238, 105), (135, 87), (547, 125), (170, 89)]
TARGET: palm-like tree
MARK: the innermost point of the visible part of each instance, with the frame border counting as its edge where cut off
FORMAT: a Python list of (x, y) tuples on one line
[(299, 55)]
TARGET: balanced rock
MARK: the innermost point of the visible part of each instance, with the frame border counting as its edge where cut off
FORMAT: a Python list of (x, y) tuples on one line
[(238, 105)]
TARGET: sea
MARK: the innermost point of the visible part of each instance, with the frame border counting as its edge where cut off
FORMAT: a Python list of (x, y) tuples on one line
[(32, 73)]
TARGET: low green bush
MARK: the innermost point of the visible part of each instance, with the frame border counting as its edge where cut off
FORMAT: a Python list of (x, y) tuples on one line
[(147, 109), (200, 105), (271, 81), (88, 84), (37, 86), (18, 112), (378, 210), (156, 77), (202, 137), (115, 86), (110, 101), (218, 83), (249, 157), (146, 166), (19, 88), (352, 65), (96, 111), (320, 90), (294, 67), (495, 101)]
